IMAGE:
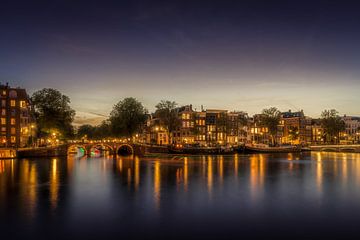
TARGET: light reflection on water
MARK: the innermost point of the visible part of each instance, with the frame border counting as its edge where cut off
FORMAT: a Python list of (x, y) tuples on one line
[(98, 192)]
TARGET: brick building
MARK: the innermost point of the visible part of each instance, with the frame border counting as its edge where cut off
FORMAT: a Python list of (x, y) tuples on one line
[(16, 121)]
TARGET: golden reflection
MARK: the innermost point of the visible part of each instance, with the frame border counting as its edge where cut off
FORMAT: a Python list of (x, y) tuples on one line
[(344, 168), (157, 184), (203, 166), (257, 172), (28, 186), (319, 172), (54, 184), (129, 176), (221, 169), (262, 170), (2, 166), (209, 174), (120, 164), (186, 173), (178, 177), (356, 169), (236, 165), (137, 172)]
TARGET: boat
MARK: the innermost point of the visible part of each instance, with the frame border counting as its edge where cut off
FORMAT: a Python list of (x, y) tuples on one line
[(201, 150), (266, 149)]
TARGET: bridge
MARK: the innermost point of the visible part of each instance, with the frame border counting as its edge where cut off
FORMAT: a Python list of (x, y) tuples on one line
[(113, 148), (336, 148)]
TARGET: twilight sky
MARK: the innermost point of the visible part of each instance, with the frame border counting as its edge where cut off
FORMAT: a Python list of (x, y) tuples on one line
[(234, 55)]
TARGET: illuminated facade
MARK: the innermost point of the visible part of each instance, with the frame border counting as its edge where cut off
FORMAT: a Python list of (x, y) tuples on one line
[(317, 132), (257, 131), (200, 128), (185, 133), (16, 122), (203, 128), (155, 133), (216, 121), (294, 128), (352, 129)]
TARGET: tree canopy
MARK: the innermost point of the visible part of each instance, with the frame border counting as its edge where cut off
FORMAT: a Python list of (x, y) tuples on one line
[(94, 132), (167, 112), (332, 125), (270, 118), (127, 117), (53, 112)]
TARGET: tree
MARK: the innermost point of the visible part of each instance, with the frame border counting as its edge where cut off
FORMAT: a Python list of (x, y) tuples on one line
[(94, 132), (293, 133), (127, 117), (103, 130), (167, 112), (270, 118), (332, 125), (86, 131), (53, 112)]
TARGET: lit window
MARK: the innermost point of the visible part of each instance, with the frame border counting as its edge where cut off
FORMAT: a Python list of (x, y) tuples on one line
[(13, 139), (13, 130), (3, 129), (3, 112), (12, 121), (22, 104), (12, 103), (3, 121), (4, 92)]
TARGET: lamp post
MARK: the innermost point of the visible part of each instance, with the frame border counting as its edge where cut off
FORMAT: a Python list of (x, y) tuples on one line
[(32, 135)]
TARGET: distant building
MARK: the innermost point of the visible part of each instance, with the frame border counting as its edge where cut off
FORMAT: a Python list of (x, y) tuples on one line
[(16, 128), (317, 132), (295, 128), (257, 131), (200, 128), (154, 132), (352, 129), (185, 134), (216, 121)]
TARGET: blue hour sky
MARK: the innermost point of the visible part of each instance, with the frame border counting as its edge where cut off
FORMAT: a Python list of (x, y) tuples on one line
[(235, 55)]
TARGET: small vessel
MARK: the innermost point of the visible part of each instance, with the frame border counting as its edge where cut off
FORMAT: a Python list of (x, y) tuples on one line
[(201, 150), (261, 148)]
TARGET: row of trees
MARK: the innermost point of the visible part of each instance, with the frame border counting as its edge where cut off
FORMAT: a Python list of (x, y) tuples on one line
[(331, 123), (52, 112)]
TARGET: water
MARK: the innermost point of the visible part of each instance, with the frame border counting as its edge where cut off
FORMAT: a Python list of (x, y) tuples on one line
[(312, 195)]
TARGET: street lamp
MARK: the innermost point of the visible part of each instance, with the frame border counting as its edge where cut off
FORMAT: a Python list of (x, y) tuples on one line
[(32, 126)]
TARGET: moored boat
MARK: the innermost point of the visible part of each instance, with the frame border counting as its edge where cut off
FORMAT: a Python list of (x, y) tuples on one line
[(267, 149), (201, 150)]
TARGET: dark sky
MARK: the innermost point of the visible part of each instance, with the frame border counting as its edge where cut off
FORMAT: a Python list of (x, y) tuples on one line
[(236, 55)]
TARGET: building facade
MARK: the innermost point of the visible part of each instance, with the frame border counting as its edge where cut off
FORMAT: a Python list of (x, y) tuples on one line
[(16, 121), (295, 128), (352, 129)]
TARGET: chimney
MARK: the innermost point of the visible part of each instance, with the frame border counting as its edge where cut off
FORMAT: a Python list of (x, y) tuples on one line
[(202, 108)]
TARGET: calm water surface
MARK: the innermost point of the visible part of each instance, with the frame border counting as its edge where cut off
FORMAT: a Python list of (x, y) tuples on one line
[(312, 195)]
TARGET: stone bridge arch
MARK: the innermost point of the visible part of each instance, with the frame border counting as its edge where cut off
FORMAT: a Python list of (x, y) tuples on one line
[(71, 148), (108, 146), (125, 149)]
